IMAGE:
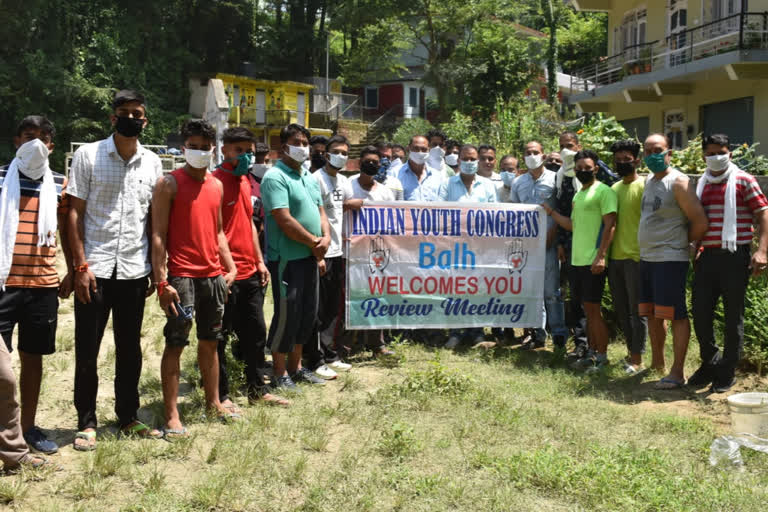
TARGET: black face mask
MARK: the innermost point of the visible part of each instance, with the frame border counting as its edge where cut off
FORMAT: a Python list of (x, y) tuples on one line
[(585, 177), (318, 161), (129, 126), (370, 168), (552, 166), (624, 168)]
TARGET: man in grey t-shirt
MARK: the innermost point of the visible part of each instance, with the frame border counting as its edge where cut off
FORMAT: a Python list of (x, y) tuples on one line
[(671, 218)]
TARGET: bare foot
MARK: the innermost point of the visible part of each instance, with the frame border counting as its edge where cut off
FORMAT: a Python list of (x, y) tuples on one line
[(271, 399)]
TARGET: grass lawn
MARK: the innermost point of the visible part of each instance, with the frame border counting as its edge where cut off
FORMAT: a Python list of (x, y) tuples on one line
[(501, 430)]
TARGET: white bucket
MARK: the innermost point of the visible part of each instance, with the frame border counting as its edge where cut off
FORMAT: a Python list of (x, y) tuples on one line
[(749, 413)]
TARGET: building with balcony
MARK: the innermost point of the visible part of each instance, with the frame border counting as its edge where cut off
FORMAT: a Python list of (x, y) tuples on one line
[(681, 67), (263, 106)]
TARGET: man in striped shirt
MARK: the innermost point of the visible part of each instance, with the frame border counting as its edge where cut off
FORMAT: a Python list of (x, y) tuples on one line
[(29, 297), (732, 200)]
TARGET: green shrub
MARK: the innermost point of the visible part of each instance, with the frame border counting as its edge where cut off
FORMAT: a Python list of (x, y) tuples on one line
[(690, 159), (598, 133), (409, 128)]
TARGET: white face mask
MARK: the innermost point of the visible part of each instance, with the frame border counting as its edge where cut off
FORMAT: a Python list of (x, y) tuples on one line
[(436, 153), (197, 158), (298, 153), (33, 158), (417, 157), (718, 162), (337, 161), (452, 159), (468, 167), (258, 170), (534, 161)]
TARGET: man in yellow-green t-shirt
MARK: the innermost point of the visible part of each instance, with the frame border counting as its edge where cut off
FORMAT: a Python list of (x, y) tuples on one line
[(623, 271), (593, 220)]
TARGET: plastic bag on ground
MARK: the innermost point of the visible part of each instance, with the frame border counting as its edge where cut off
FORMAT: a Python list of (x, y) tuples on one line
[(724, 451)]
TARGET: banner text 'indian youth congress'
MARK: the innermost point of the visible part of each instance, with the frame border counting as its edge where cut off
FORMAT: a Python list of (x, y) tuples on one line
[(436, 265)]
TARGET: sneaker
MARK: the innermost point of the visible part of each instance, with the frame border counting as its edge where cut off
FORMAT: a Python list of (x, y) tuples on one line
[(285, 384), (340, 366), (532, 344), (304, 375), (325, 373), (724, 386), (701, 377), (585, 362), (599, 363), (579, 352), (38, 442), (452, 342)]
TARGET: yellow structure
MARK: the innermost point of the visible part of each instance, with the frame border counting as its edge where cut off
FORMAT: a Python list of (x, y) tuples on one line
[(264, 106), (681, 67)]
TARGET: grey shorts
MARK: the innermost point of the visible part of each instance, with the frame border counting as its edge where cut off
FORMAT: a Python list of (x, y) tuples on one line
[(204, 297)]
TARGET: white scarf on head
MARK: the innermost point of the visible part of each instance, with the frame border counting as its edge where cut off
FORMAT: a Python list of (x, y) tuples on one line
[(729, 210), (32, 160), (562, 173)]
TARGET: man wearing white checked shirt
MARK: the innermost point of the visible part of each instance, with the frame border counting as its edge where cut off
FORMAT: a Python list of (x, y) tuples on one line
[(111, 182)]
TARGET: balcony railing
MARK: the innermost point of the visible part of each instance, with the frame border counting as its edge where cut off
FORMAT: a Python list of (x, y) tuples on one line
[(743, 31), (252, 116)]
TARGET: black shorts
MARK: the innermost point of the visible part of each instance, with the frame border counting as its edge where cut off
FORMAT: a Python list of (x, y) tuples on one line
[(295, 295), (35, 310), (589, 286), (662, 289), (205, 298)]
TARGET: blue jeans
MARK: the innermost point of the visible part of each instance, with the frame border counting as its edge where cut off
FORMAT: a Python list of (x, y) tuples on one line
[(554, 308)]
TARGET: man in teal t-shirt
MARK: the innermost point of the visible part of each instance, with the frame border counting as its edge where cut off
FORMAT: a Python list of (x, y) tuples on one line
[(298, 236), (593, 221), (624, 270)]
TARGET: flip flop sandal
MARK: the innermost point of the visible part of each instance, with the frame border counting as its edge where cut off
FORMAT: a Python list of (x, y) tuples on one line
[(227, 417), (31, 461), (89, 437), (172, 434), (275, 400), (668, 383), (234, 409), (141, 430)]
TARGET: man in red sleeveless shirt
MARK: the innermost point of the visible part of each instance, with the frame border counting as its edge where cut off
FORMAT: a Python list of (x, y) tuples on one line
[(244, 312), (187, 223)]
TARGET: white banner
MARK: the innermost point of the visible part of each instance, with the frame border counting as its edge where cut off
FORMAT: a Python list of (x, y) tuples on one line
[(445, 265)]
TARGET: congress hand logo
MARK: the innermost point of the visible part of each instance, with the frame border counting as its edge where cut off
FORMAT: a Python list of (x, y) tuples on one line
[(378, 255), (516, 256)]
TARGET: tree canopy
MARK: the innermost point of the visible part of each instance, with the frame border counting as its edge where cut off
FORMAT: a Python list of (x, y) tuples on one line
[(64, 59)]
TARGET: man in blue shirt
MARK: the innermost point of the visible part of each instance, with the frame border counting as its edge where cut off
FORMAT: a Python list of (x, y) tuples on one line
[(420, 182), (538, 186), (467, 187)]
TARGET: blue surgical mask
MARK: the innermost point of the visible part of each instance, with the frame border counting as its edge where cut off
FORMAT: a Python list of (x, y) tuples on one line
[(507, 178), (468, 167), (656, 162)]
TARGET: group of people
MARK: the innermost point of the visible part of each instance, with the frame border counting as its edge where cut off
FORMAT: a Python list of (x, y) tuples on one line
[(210, 242)]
